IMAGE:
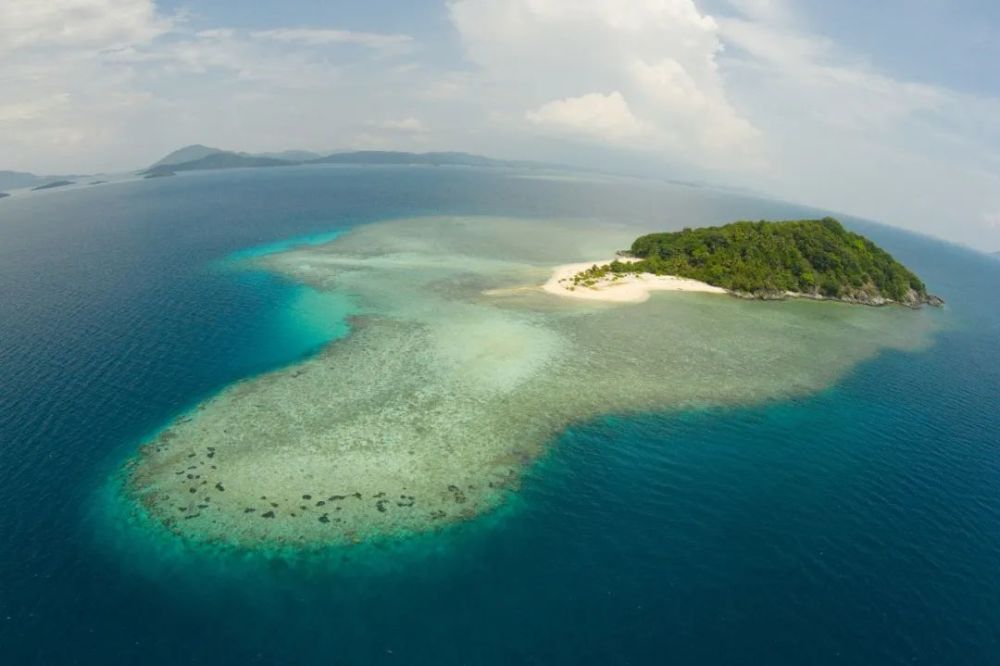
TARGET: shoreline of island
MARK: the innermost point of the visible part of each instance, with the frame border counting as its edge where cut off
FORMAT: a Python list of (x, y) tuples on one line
[(763, 260), (618, 288), (566, 281)]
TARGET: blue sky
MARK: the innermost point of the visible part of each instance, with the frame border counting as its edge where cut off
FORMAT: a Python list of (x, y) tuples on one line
[(888, 110), (955, 44)]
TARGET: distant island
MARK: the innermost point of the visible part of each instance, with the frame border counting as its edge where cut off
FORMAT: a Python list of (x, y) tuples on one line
[(809, 258), (49, 186), (14, 180), (3, 194), (200, 158)]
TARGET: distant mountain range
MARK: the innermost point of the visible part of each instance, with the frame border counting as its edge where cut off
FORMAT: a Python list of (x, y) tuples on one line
[(198, 158), (198, 151)]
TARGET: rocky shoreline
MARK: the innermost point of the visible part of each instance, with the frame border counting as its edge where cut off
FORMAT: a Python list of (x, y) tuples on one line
[(914, 299)]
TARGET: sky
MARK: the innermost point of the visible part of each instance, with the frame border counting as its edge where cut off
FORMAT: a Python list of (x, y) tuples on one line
[(887, 110)]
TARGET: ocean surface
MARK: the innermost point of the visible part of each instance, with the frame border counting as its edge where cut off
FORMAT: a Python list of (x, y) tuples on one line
[(857, 525)]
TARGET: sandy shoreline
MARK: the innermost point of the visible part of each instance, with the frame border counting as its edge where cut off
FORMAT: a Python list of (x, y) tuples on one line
[(631, 288)]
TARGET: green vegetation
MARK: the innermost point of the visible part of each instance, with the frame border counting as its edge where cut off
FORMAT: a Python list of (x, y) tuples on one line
[(765, 259)]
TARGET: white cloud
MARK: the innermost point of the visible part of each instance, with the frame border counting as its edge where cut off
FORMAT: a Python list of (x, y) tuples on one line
[(696, 113), (774, 12), (82, 82), (813, 63), (319, 37), (403, 125), (75, 23), (60, 96), (658, 56), (594, 116), (846, 136), (37, 108)]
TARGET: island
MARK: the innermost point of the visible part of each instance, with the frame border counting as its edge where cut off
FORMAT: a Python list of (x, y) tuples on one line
[(15, 180), (3, 194), (205, 158), (55, 183), (451, 376), (766, 260)]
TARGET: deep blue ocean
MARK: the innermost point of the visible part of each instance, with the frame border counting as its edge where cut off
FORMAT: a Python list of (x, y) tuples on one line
[(860, 525)]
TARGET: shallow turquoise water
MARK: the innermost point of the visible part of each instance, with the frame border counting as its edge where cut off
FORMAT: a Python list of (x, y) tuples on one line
[(859, 525), (304, 320), (307, 319), (284, 244)]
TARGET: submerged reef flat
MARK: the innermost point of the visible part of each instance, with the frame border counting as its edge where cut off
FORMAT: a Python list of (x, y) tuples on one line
[(457, 373)]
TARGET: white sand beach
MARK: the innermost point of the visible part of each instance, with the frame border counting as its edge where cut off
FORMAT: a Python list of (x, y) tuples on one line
[(631, 288)]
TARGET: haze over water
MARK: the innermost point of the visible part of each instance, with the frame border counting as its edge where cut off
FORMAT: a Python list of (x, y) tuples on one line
[(853, 525)]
